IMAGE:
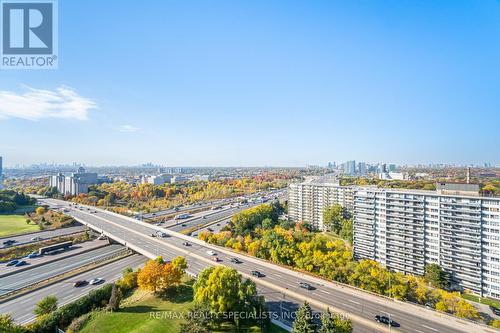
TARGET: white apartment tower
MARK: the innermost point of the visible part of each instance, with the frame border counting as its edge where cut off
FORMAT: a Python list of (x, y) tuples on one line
[(405, 230), (307, 200)]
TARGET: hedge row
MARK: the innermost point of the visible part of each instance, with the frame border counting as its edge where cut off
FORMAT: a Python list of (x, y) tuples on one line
[(63, 316)]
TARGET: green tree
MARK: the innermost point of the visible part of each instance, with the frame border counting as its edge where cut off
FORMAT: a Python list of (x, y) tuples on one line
[(222, 290), (7, 325), (128, 280), (347, 231), (304, 320), (333, 217), (267, 223), (436, 276), (334, 323), (46, 305), (198, 320)]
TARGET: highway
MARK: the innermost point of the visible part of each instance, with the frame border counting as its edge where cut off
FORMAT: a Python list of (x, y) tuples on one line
[(47, 234), (211, 216), (22, 307), (42, 260), (360, 306), (40, 273), (207, 205)]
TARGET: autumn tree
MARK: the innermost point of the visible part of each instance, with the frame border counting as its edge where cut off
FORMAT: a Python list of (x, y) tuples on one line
[(40, 210), (128, 280), (157, 275)]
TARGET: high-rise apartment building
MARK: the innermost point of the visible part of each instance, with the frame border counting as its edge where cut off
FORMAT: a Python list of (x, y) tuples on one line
[(74, 184), (307, 200), (405, 230)]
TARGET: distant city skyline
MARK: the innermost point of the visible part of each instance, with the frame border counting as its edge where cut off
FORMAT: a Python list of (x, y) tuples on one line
[(261, 83)]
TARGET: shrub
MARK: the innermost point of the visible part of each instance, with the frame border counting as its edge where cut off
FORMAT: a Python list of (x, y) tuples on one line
[(63, 316)]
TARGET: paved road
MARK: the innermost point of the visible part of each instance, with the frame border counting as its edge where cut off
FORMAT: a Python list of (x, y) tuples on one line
[(213, 216), (36, 274), (208, 204), (73, 250), (360, 306), (22, 307), (26, 239)]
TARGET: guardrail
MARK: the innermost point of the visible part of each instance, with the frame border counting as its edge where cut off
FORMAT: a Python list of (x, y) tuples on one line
[(62, 276)]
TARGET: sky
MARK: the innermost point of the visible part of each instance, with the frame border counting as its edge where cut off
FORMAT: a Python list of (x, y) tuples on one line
[(261, 83)]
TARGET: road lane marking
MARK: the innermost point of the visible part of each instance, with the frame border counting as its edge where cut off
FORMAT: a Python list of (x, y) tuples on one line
[(350, 300), (431, 328)]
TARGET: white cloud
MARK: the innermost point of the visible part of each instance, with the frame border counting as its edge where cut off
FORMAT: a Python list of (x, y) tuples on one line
[(128, 129), (36, 104)]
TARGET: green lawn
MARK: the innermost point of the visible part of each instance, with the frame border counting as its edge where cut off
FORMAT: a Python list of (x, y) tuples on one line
[(137, 315), (484, 300), (15, 224)]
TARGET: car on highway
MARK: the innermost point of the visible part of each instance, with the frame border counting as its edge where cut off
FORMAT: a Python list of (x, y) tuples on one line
[(32, 255), (12, 262), (257, 274), (210, 229), (36, 239), (216, 259), (386, 320), (186, 244), (495, 310), (211, 253), (236, 261), (20, 263), (9, 242), (80, 283), (161, 234), (96, 281), (305, 285)]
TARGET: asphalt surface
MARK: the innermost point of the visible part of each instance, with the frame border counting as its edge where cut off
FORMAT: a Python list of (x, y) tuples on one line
[(22, 307), (207, 205), (40, 273), (211, 216), (47, 234), (42, 260), (344, 299)]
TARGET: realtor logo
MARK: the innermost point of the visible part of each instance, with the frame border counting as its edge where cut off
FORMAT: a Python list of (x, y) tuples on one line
[(29, 34)]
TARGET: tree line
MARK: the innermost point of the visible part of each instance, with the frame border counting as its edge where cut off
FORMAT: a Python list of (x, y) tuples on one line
[(300, 247)]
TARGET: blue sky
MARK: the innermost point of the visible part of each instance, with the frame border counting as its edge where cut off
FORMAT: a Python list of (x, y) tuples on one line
[(285, 83)]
